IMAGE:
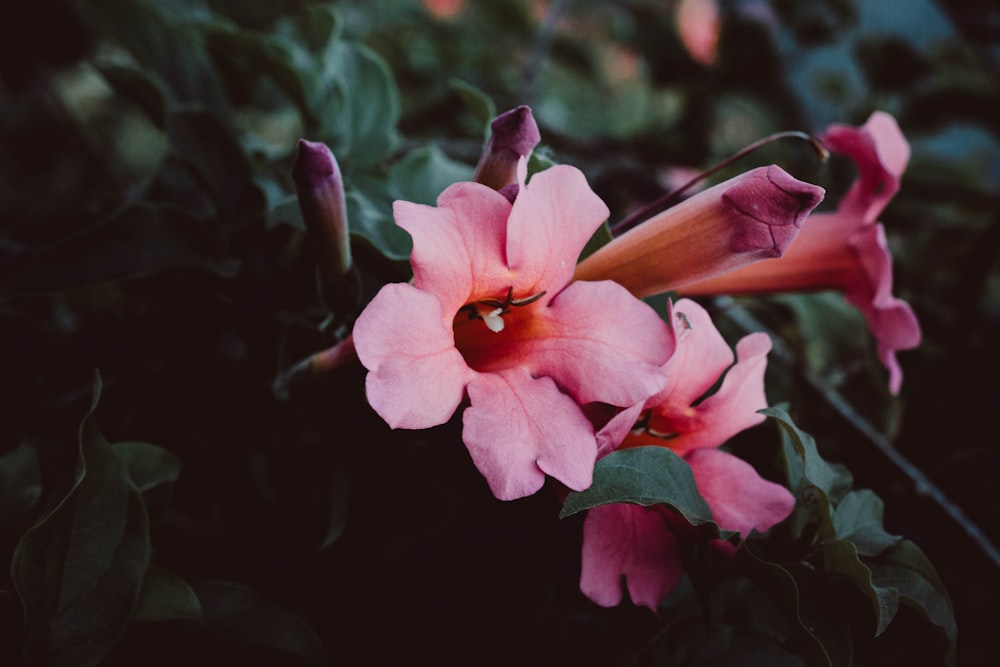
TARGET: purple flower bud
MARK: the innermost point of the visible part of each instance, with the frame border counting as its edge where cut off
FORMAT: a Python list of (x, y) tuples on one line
[(321, 198), (514, 135)]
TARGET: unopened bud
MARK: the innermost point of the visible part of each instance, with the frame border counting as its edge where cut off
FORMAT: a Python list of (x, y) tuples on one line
[(514, 135)]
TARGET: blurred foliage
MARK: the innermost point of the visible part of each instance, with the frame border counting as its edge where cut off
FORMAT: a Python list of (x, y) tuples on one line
[(148, 229)]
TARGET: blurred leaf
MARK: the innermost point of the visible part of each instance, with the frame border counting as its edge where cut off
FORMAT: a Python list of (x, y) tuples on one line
[(359, 102), (480, 105), (904, 568), (207, 145), (20, 484), (166, 597), (832, 331), (425, 173), (140, 87), (601, 237), (79, 570), (166, 43), (132, 243), (644, 476), (369, 210), (238, 613), (858, 519)]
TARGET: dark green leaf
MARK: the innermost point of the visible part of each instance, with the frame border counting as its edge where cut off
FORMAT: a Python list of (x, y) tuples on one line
[(133, 243), (238, 613), (20, 484), (718, 644), (369, 210), (858, 519), (79, 570), (424, 174), (820, 636), (140, 87), (644, 476), (832, 481), (149, 466), (905, 568), (841, 557), (600, 238), (166, 597)]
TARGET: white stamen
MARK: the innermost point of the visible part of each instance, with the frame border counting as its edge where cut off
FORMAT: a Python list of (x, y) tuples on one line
[(491, 316)]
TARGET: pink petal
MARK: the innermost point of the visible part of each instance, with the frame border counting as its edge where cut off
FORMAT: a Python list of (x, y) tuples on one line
[(881, 153), (633, 541), (700, 357), (416, 376), (733, 408), (740, 499), (553, 218), (599, 343), (458, 246), (519, 428), (891, 320), (614, 431)]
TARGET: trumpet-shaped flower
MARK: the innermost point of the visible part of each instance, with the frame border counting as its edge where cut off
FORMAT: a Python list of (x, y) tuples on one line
[(751, 217), (846, 250), (492, 315), (641, 543)]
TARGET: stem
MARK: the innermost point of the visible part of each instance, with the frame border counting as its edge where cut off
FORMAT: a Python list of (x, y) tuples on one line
[(667, 199)]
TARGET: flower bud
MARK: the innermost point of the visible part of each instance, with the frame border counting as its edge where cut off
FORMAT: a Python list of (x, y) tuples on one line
[(321, 199), (514, 135), (753, 216)]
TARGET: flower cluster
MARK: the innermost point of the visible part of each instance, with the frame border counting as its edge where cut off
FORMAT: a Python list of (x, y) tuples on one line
[(554, 363)]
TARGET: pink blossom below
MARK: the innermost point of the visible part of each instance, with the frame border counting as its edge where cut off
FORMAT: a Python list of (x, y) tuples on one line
[(492, 317), (641, 543)]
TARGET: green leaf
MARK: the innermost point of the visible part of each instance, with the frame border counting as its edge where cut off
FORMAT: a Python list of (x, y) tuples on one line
[(424, 174), (906, 569), (239, 614), (149, 466), (841, 557), (20, 484), (820, 634), (360, 104), (719, 644), (858, 519), (369, 211), (833, 481), (133, 243), (79, 570), (166, 597), (644, 476), (601, 237), (480, 105)]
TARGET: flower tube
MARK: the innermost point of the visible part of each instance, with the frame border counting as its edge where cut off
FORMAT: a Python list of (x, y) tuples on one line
[(748, 218)]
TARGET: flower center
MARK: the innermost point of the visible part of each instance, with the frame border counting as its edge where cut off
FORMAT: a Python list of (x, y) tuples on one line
[(487, 330)]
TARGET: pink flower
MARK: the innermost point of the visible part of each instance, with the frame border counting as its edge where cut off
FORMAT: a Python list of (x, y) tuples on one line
[(846, 250), (492, 316), (641, 543)]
